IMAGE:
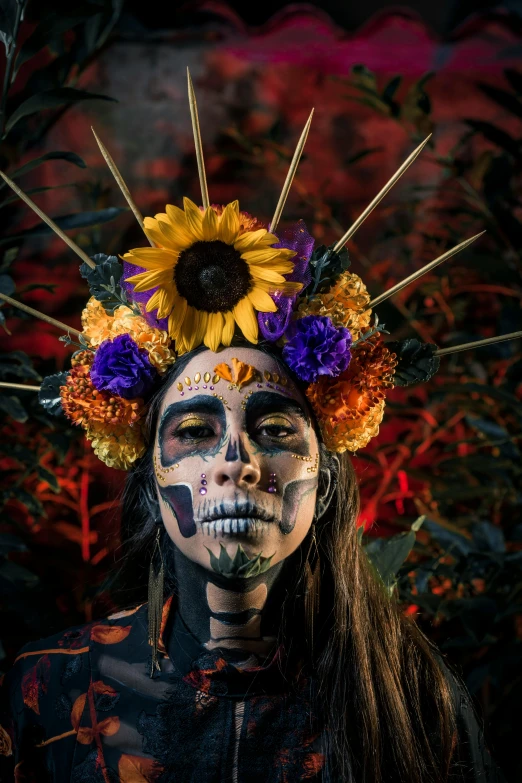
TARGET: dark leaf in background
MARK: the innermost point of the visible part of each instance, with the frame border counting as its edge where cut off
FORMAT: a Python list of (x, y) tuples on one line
[(488, 538), (51, 99), (52, 28), (69, 222), (17, 363), (63, 706), (504, 98), (496, 135), (60, 443), (104, 281), (387, 555), (13, 407), (32, 503), (8, 13), (14, 577), (416, 362), (70, 157), (49, 477), (8, 258), (454, 542), (7, 285), (49, 394), (10, 543)]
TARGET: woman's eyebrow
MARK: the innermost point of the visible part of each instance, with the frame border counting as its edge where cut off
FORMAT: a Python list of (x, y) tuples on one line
[(270, 402), (201, 404)]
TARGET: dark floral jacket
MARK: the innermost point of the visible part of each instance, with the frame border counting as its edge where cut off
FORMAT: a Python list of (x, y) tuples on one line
[(80, 707)]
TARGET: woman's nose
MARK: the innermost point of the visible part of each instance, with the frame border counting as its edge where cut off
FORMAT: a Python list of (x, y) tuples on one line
[(237, 464)]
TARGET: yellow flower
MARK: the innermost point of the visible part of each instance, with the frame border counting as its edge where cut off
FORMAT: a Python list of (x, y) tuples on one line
[(98, 326), (118, 447), (210, 274), (346, 303)]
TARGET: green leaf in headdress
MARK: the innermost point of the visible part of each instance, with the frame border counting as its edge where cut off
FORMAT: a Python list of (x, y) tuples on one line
[(416, 361)]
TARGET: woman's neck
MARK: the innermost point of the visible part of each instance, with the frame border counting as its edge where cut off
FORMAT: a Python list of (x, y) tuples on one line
[(240, 615)]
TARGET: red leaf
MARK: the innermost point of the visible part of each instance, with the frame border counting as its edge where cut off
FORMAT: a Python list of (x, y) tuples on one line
[(137, 769)]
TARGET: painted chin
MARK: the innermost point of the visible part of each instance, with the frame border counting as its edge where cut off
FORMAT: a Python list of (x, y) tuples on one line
[(237, 528)]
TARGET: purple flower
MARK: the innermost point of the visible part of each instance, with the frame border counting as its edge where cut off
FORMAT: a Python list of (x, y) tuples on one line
[(296, 237), (122, 368), (317, 347)]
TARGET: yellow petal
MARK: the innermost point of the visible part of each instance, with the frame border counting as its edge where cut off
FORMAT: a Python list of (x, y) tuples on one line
[(229, 223), (147, 280), (201, 327), (228, 329), (250, 238), (188, 327), (267, 255), (246, 319), (172, 238), (194, 219), (210, 225), (177, 316), (262, 301), (214, 331), (153, 301), (166, 300), (262, 273), (178, 220), (165, 259)]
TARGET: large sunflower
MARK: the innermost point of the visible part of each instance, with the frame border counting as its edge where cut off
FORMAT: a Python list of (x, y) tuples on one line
[(210, 274)]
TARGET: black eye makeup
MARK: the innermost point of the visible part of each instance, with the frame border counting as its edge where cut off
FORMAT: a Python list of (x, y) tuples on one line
[(191, 426), (277, 423)]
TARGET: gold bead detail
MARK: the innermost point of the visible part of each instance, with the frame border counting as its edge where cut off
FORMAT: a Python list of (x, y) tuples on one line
[(216, 379), (275, 377), (188, 382), (206, 377), (179, 386), (303, 459), (197, 377), (267, 375)]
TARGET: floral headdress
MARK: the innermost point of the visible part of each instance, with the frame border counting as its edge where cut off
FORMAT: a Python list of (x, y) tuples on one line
[(210, 273)]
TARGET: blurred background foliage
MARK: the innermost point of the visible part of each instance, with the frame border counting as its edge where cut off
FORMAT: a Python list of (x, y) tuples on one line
[(449, 451)]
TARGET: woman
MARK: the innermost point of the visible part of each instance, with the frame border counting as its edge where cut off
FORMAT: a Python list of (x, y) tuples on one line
[(267, 651), (248, 685)]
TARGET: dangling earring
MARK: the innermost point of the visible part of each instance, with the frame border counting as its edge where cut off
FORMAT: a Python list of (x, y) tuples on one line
[(155, 599), (312, 596)]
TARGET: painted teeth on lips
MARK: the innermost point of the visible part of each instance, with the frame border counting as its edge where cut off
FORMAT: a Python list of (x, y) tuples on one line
[(231, 527), (237, 510)]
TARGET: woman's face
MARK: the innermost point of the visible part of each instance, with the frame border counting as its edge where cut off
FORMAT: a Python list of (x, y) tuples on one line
[(235, 467)]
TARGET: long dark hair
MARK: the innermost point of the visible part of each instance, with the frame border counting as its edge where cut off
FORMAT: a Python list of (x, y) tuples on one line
[(380, 693)]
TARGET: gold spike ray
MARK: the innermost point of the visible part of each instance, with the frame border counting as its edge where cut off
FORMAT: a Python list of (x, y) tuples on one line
[(41, 316), (57, 230), (291, 174), (501, 338), (121, 183), (23, 386), (407, 280), (197, 142), (389, 185)]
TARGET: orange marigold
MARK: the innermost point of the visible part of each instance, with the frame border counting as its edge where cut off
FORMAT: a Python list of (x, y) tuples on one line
[(83, 404), (98, 326), (118, 447), (350, 408), (346, 304)]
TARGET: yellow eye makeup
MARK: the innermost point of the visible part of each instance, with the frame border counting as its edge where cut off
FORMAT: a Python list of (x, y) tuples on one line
[(194, 421), (275, 421)]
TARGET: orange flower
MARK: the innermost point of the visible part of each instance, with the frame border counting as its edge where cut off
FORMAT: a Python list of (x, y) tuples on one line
[(346, 304), (240, 374), (85, 405), (350, 408), (6, 746)]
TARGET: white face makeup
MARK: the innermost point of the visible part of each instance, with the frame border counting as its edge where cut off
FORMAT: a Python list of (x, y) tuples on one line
[(238, 470)]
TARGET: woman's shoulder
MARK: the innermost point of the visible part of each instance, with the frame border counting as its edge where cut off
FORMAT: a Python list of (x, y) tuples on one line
[(62, 657)]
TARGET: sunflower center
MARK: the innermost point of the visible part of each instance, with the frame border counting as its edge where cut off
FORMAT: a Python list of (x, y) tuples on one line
[(212, 276)]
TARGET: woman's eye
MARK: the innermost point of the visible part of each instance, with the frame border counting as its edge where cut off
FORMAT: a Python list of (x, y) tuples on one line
[(275, 428), (194, 430)]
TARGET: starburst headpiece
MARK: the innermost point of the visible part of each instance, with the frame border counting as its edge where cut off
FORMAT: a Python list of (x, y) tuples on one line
[(213, 271)]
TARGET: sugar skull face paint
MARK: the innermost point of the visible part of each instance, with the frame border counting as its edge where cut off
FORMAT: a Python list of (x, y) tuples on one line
[(236, 467)]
